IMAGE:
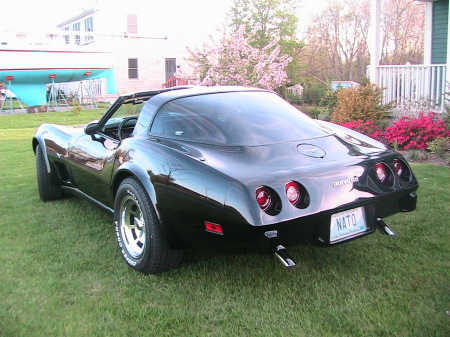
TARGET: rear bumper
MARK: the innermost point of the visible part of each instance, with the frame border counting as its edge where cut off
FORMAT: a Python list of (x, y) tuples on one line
[(315, 229), (309, 230)]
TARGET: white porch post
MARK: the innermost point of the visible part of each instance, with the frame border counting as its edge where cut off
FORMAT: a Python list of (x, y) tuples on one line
[(448, 52), (427, 50), (428, 33), (375, 46)]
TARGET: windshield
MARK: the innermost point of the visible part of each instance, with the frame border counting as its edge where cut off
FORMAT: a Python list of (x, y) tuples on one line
[(234, 118)]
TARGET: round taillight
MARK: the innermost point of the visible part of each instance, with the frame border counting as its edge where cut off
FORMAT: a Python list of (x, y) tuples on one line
[(293, 192), (264, 198), (399, 167), (383, 173), (402, 170)]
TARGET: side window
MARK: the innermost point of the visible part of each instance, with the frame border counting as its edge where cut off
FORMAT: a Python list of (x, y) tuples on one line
[(186, 119), (125, 110), (128, 110)]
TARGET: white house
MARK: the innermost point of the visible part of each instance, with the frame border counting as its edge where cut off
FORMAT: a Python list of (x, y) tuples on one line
[(413, 87), (144, 57)]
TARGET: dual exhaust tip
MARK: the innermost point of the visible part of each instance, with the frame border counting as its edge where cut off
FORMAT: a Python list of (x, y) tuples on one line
[(285, 258)]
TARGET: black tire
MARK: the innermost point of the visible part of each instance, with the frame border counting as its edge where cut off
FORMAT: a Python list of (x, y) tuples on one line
[(47, 190), (138, 231)]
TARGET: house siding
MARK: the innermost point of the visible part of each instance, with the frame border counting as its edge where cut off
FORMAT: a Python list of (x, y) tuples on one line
[(440, 31), (114, 31)]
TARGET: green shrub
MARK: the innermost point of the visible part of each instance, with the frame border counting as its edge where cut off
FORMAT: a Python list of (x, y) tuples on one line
[(362, 103), (76, 108), (313, 93), (439, 146), (330, 99), (316, 112)]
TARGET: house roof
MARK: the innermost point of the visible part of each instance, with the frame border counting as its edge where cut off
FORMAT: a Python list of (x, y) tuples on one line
[(76, 18)]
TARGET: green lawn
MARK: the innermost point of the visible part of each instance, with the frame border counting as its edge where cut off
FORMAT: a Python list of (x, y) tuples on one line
[(61, 274)]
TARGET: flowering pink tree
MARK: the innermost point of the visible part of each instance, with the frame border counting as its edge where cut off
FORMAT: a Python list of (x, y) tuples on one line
[(236, 62)]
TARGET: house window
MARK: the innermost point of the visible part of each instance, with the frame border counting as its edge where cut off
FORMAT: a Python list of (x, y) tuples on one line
[(89, 24), (89, 27), (67, 37), (133, 69), (132, 24), (76, 28)]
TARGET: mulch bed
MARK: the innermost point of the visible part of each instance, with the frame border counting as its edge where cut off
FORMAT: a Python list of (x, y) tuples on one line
[(425, 157)]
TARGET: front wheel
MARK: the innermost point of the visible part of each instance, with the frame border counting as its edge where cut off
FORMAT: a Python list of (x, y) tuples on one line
[(138, 231)]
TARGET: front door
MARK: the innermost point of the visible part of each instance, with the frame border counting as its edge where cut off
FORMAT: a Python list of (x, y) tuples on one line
[(92, 162), (171, 67)]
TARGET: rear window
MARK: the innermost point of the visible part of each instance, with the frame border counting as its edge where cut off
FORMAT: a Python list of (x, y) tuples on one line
[(234, 118)]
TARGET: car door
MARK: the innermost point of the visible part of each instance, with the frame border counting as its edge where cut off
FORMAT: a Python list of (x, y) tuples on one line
[(92, 156), (92, 161)]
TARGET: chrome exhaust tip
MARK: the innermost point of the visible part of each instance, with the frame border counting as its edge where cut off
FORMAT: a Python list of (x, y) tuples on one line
[(282, 254), (385, 229)]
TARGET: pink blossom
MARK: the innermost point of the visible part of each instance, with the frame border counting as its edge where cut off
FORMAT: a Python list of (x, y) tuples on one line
[(236, 62)]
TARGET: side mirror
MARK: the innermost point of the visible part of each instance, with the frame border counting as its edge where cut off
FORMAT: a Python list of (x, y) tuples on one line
[(91, 129)]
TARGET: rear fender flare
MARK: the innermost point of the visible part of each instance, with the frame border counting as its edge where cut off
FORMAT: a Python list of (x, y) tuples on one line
[(130, 170)]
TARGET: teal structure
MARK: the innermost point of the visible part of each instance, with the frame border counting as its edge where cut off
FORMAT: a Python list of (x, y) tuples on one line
[(30, 86)]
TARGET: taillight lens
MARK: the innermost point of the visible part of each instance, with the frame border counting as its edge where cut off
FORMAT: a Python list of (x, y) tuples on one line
[(383, 173), (264, 198), (399, 167), (268, 200), (293, 192), (402, 170), (297, 194)]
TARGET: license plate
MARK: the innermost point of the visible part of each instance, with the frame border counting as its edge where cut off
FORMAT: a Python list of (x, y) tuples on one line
[(347, 224)]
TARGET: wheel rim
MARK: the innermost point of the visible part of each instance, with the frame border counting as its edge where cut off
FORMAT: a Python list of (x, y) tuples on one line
[(132, 227)]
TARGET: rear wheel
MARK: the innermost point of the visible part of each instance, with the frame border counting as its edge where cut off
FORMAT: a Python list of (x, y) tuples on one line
[(138, 231), (47, 190)]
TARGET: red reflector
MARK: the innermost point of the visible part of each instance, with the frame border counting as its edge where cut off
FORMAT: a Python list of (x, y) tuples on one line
[(213, 228)]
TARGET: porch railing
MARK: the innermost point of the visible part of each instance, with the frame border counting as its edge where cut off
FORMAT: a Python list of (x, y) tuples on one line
[(175, 81), (414, 87)]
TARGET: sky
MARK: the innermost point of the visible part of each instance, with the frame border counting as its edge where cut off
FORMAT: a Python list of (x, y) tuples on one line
[(198, 16)]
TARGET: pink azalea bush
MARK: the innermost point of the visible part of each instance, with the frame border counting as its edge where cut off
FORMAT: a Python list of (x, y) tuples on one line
[(416, 132), (408, 133), (367, 128)]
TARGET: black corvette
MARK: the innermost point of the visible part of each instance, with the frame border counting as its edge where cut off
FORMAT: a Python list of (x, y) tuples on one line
[(222, 166)]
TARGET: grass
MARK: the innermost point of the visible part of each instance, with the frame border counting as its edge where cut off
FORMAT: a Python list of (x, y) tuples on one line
[(61, 274)]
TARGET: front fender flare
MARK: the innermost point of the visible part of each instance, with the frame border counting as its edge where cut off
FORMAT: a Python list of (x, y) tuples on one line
[(38, 140)]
